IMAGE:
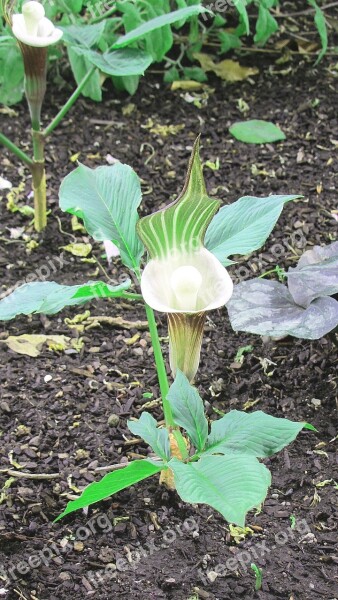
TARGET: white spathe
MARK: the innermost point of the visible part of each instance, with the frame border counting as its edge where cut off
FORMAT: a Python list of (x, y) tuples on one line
[(33, 28), (186, 283)]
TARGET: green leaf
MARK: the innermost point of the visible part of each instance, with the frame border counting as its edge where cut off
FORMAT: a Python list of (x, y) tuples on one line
[(233, 485), (157, 22), (132, 16), (256, 132), (181, 4), (80, 67), (112, 483), (48, 297), (11, 72), (106, 198), (159, 41), (256, 434), (171, 75), (320, 23), (128, 83), (158, 439), (195, 73), (243, 226), (83, 35), (188, 410), (183, 223), (266, 25), (74, 6), (128, 61), (240, 5), (228, 41)]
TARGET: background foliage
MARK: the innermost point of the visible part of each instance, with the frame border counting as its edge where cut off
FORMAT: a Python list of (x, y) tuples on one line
[(92, 26)]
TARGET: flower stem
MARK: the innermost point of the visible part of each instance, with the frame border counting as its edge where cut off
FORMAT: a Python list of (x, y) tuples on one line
[(160, 366), (15, 150), (70, 102), (39, 181)]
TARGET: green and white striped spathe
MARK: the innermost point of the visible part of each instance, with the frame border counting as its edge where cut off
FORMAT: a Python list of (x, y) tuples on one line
[(182, 225)]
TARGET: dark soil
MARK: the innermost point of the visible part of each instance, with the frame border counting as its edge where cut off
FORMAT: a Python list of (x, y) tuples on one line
[(55, 409)]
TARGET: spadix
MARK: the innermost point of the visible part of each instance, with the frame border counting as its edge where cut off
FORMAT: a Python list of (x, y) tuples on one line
[(186, 283)]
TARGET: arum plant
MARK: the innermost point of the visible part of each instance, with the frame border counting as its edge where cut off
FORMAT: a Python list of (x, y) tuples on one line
[(182, 278), (34, 34), (183, 275)]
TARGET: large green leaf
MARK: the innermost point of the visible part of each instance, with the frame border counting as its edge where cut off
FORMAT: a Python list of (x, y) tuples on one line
[(11, 72), (158, 439), (242, 227), (127, 61), (233, 484), (83, 35), (157, 22), (256, 132), (80, 66), (48, 297), (112, 483), (181, 225), (188, 410), (106, 198), (256, 434)]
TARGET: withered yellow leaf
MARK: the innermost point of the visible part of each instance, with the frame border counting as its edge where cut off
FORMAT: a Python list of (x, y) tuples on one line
[(128, 109), (228, 70), (31, 345), (187, 85), (165, 130), (78, 249)]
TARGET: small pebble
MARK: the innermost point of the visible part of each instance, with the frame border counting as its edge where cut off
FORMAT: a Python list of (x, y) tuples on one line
[(212, 576), (47, 378), (5, 407), (113, 420), (78, 546)]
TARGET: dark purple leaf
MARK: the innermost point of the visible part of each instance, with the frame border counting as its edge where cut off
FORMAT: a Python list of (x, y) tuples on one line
[(315, 276), (267, 308)]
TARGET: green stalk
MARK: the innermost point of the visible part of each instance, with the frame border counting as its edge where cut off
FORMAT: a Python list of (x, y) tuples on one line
[(14, 148), (163, 381), (104, 16), (131, 296), (160, 366), (70, 102)]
